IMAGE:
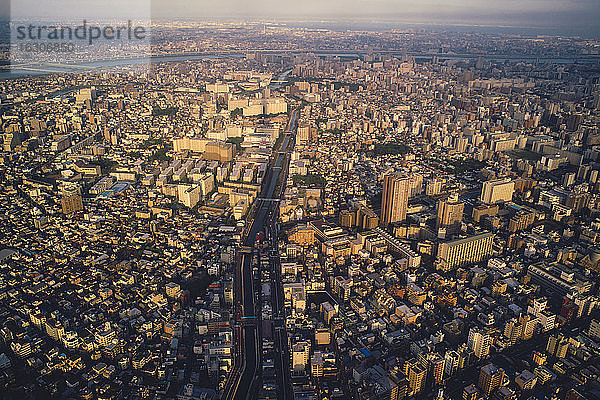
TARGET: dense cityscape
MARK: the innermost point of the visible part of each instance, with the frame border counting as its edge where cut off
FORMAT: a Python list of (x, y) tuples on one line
[(267, 211)]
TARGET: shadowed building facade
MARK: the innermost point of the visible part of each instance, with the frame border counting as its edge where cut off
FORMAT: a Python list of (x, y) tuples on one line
[(394, 201)]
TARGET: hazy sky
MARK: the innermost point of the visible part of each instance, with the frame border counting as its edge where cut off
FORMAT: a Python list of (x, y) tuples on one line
[(499, 12), (577, 14)]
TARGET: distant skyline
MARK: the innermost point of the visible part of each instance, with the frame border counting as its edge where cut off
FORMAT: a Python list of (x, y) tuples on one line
[(547, 16)]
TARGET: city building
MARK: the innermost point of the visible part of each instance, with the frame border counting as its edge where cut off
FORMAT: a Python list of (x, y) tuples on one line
[(450, 214), (464, 251), (490, 378), (479, 341), (497, 190), (394, 200)]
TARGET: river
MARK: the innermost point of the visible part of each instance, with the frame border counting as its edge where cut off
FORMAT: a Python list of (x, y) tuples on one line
[(88, 66)]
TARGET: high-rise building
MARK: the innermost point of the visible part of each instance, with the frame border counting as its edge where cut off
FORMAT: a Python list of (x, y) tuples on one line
[(497, 190), (490, 378), (71, 204), (416, 185), (521, 220), (578, 201), (394, 201), (402, 385), (465, 356), (451, 360), (437, 368), (219, 151), (594, 329), (526, 380), (383, 385), (483, 210), (416, 377), (471, 393), (54, 329), (557, 346), (529, 323), (11, 140), (450, 214), (195, 144), (513, 330), (539, 358), (464, 251), (585, 305), (434, 187), (366, 218), (539, 305), (347, 218), (316, 365), (479, 341), (304, 134), (300, 355)]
